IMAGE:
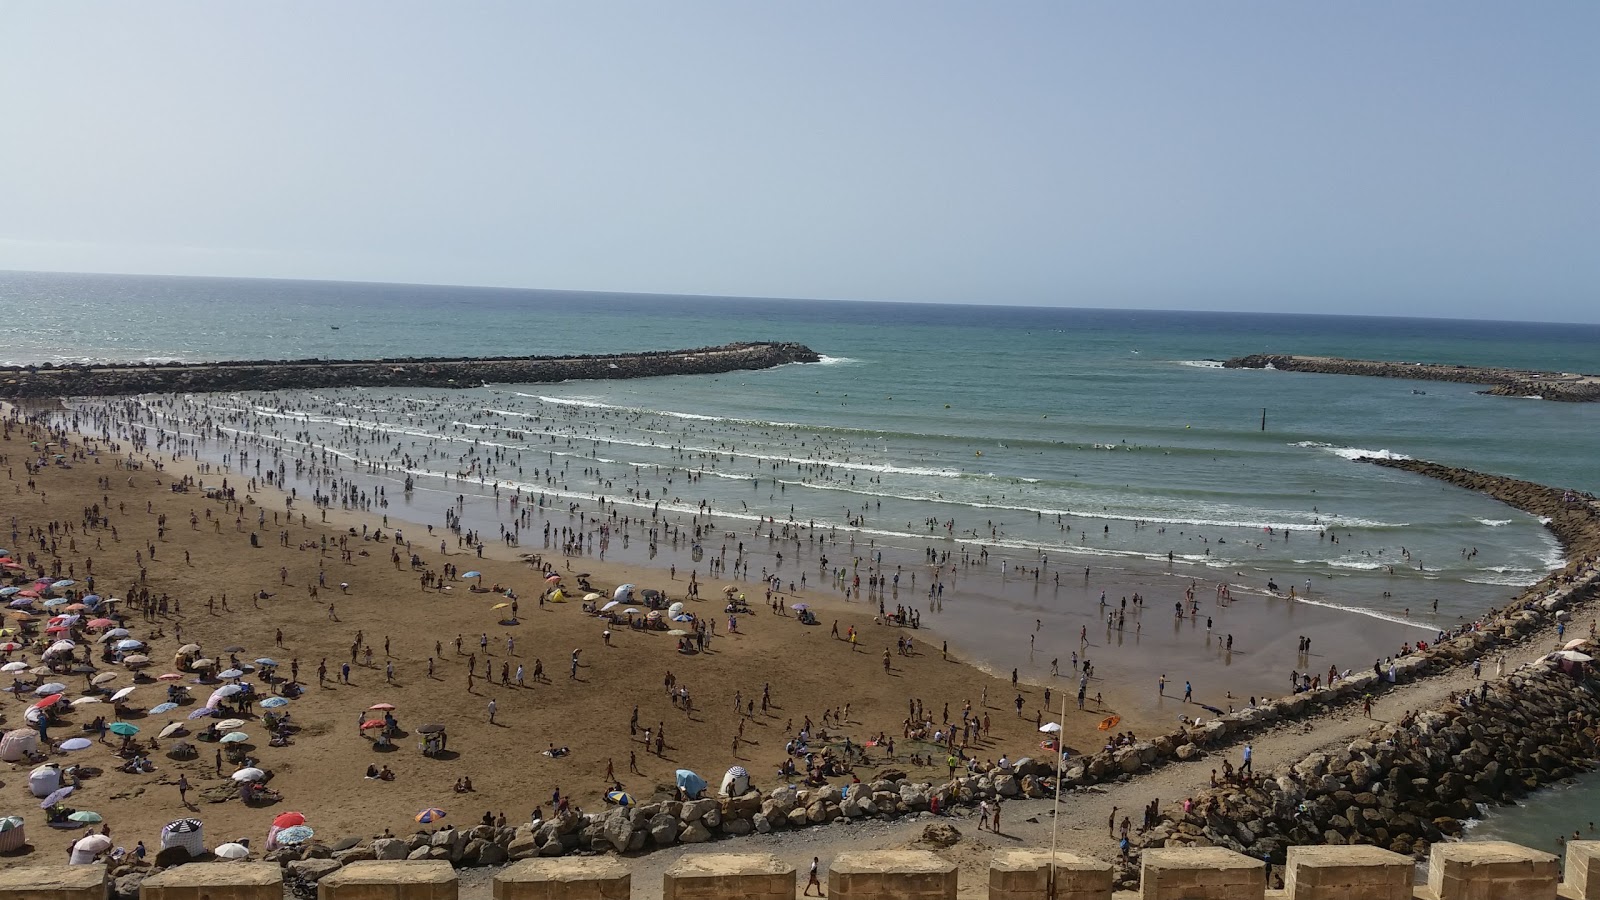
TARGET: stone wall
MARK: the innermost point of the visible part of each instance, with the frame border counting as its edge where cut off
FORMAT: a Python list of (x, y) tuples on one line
[(36, 382), (1479, 870)]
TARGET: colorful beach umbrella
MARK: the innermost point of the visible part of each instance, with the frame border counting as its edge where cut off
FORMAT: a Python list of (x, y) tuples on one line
[(288, 820), (126, 729), (297, 834), (431, 814)]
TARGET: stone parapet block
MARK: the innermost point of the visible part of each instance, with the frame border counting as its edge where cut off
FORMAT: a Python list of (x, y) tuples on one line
[(728, 876), (582, 878), (1200, 873), (1491, 870), (891, 875), (54, 882), (390, 880), (215, 881), (1347, 873), (1025, 875)]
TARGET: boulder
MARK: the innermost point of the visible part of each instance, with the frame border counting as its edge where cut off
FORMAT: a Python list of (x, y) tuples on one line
[(618, 828), (311, 869), (420, 853), (761, 823), (664, 830), (523, 846), (694, 833), (354, 854), (492, 854), (388, 848), (694, 810), (737, 827), (126, 887), (941, 834), (553, 848), (1006, 786)]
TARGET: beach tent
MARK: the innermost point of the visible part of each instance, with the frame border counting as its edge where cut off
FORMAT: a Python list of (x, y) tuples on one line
[(691, 784), (13, 836), (87, 848), (43, 781), (735, 782), (557, 596), (186, 833), (623, 593), (16, 745)]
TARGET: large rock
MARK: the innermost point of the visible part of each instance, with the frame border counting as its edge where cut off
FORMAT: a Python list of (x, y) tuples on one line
[(941, 834), (1006, 786), (664, 830), (311, 869), (737, 827), (524, 846), (618, 828), (492, 854), (694, 833), (761, 823), (783, 799), (354, 854), (126, 887), (694, 810), (388, 848)]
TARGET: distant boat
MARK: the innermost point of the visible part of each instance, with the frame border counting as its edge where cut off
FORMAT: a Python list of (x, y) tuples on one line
[(334, 327)]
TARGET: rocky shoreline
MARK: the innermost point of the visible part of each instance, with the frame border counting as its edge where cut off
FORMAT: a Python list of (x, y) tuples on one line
[(1561, 386), (45, 381), (1416, 781)]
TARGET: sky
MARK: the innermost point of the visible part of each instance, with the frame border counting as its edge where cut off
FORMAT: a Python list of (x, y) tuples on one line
[(1421, 158)]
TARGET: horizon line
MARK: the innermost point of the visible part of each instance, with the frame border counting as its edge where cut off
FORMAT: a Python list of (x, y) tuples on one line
[(785, 298)]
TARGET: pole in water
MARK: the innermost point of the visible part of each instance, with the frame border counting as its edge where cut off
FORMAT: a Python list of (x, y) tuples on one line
[(1263, 418)]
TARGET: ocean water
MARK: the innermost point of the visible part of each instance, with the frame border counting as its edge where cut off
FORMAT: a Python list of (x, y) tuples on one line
[(1071, 436)]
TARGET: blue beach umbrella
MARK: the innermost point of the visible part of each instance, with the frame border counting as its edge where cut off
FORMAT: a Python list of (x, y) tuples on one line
[(160, 708), (274, 702)]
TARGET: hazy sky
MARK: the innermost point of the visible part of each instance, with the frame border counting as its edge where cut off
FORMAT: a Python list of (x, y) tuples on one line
[(1421, 158)]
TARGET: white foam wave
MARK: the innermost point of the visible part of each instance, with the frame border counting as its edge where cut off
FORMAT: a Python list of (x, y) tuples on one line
[(1200, 363), (826, 360), (1493, 523), (1364, 611), (1350, 453)]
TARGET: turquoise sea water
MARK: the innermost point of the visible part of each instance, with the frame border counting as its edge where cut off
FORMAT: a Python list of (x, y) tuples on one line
[(1098, 437)]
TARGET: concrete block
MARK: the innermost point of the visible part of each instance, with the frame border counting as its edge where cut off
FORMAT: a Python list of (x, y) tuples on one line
[(1200, 873), (1355, 872), (422, 879), (892, 875), (1491, 870), (1025, 875), (215, 881), (579, 878), (728, 876), (54, 882), (1582, 879)]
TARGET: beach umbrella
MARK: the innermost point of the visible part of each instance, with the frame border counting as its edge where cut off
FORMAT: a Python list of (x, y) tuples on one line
[(169, 676), (53, 603), (288, 820), (677, 632), (113, 634), (802, 607), (231, 850), (1578, 644), (76, 607), (620, 798), (383, 707), (683, 617), (431, 814), (32, 715), (103, 678), (130, 644), (22, 603), (202, 712), (1575, 656), (13, 667), (552, 579), (204, 664), (631, 611), (266, 661), (57, 629), (102, 623), (119, 695), (60, 647), (226, 691), (64, 583), (229, 673), (500, 606), (76, 743), (473, 574), (274, 702), (430, 728), (137, 659), (235, 737), (230, 724), (160, 708), (126, 729), (372, 723), (171, 729), (296, 834), (233, 648), (56, 796), (86, 816), (189, 648), (10, 591), (609, 604), (1050, 728), (253, 774), (86, 701), (41, 671), (91, 599), (53, 687), (1109, 722)]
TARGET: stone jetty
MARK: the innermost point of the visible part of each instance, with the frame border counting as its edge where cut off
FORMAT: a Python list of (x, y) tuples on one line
[(1563, 386), (47, 381)]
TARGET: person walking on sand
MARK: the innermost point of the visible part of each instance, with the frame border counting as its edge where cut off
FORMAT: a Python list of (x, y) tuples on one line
[(492, 709), (1188, 692), (811, 879), (1246, 765), (183, 789)]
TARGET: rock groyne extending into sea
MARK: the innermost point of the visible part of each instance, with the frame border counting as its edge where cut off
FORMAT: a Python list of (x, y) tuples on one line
[(39, 382), (1415, 781), (1563, 386)]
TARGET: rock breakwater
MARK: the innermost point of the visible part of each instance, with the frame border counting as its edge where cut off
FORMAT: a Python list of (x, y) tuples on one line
[(39, 382), (1562, 386)]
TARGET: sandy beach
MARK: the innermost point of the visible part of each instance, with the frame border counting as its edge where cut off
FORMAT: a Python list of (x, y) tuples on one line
[(202, 558)]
